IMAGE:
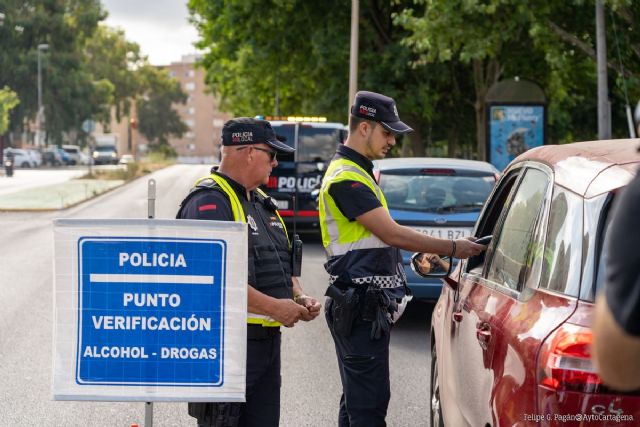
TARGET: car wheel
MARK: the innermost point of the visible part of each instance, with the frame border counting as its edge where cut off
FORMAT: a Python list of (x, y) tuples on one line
[(25, 165), (436, 407)]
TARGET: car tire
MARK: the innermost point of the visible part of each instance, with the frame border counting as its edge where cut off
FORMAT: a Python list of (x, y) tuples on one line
[(435, 407), (25, 165)]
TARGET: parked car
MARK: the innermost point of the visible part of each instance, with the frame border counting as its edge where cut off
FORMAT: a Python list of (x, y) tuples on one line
[(51, 156), (66, 159), (76, 155), (35, 156), (439, 197), (21, 158), (510, 334)]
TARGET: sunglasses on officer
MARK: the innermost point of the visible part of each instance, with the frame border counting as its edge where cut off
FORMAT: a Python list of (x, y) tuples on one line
[(272, 154)]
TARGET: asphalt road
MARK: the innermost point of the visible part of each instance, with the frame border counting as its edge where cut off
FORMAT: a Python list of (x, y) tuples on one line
[(311, 385)]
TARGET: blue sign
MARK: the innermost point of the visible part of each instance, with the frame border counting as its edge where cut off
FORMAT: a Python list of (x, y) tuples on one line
[(513, 129), (151, 311)]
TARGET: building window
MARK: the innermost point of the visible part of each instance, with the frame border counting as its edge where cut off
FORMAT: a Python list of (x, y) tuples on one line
[(191, 110), (190, 135), (189, 122), (189, 73), (218, 123), (190, 86)]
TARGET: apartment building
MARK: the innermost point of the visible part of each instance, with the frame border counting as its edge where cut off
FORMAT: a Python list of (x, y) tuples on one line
[(201, 143)]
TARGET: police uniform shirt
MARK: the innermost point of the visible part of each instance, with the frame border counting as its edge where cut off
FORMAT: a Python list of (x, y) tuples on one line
[(264, 227), (623, 261), (353, 198)]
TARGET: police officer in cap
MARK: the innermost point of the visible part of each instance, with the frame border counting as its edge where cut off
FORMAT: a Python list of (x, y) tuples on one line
[(367, 285), (275, 298)]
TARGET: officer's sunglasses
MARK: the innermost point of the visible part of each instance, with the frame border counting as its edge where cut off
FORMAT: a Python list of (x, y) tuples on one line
[(272, 153)]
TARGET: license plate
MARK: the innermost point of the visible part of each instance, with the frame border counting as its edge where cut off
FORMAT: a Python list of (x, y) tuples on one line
[(282, 204), (445, 233)]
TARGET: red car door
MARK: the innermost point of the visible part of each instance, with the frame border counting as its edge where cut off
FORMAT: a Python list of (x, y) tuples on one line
[(467, 347)]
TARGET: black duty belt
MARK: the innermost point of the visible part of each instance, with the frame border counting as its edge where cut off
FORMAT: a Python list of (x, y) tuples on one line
[(259, 332)]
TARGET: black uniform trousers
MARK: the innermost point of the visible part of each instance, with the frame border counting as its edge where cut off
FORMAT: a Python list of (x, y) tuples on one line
[(263, 380), (364, 372)]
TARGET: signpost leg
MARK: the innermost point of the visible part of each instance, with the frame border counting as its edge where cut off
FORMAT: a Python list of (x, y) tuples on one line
[(151, 198), (151, 212), (148, 414)]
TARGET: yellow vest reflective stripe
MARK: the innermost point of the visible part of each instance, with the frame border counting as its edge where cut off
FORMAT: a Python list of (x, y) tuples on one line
[(339, 235), (239, 216)]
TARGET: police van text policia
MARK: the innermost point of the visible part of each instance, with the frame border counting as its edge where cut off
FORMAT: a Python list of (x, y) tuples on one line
[(292, 182)]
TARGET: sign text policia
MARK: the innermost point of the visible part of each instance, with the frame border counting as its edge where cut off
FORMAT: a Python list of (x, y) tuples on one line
[(142, 301), (150, 310)]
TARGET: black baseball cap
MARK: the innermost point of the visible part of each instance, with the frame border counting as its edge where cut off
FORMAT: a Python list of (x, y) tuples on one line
[(247, 131), (379, 108)]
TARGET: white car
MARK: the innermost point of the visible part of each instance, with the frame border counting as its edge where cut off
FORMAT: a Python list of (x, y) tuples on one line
[(21, 158)]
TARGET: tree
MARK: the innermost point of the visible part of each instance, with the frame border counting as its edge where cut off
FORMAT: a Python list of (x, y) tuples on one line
[(8, 100), (157, 119), (67, 85), (112, 58)]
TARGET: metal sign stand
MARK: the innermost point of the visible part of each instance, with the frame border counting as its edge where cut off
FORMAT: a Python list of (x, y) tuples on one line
[(151, 213)]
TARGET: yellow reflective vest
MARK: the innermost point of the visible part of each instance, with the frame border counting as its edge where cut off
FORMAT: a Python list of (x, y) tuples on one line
[(240, 216), (355, 255)]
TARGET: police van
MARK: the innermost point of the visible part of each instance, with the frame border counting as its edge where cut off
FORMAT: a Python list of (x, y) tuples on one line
[(297, 175)]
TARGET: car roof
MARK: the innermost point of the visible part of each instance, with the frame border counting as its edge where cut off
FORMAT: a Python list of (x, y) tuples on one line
[(589, 168), (433, 162)]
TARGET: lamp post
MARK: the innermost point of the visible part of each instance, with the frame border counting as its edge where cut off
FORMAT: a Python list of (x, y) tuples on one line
[(40, 115)]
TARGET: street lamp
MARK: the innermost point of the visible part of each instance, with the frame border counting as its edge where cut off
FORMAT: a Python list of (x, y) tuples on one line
[(40, 115)]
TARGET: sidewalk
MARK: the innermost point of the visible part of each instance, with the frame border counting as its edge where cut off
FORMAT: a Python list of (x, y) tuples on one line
[(43, 190)]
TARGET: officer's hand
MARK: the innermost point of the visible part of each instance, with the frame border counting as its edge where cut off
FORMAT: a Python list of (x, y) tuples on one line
[(312, 305), (465, 248), (288, 312)]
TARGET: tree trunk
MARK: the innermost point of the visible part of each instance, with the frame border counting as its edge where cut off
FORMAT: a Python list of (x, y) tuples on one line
[(483, 80), (417, 145)]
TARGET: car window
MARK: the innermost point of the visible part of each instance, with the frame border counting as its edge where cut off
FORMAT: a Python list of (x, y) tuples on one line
[(422, 190), (514, 252), (562, 249)]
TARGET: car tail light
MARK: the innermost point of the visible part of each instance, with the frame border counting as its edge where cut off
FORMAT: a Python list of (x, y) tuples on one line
[(565, 361)]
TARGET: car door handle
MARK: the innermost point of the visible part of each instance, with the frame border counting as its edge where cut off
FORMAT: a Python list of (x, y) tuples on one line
[(457, 316), (483, 334)]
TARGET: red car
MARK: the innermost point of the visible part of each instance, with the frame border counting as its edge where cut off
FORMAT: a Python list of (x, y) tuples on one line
[(510, 334)]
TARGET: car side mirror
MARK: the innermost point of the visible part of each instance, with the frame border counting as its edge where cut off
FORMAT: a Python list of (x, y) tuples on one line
[(429, 265)]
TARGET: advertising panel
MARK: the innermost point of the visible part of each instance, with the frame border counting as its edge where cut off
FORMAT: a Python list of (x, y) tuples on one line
[(513, 129)]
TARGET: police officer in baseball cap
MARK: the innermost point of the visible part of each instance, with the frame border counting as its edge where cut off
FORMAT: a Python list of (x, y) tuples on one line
[(367, 289), (275, 297)]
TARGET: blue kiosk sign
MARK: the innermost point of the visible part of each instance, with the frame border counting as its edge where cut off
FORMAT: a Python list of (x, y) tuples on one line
[(150, 310), (146, 301)]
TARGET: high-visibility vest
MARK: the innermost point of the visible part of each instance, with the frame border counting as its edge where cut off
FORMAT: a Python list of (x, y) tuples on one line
[(356, 255), (240, 216)]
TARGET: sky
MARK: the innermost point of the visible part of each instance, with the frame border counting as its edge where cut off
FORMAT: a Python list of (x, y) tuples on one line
[(160, 27)]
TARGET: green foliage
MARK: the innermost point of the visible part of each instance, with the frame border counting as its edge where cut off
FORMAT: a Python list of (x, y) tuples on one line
[(157, 118), (8, 100), (67, 84)]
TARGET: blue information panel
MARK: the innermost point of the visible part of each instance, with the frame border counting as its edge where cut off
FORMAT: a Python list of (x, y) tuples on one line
[(151, 311), (513, 129)]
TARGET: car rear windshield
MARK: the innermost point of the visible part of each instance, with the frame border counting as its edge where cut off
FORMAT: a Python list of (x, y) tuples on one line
[(421, 190)]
